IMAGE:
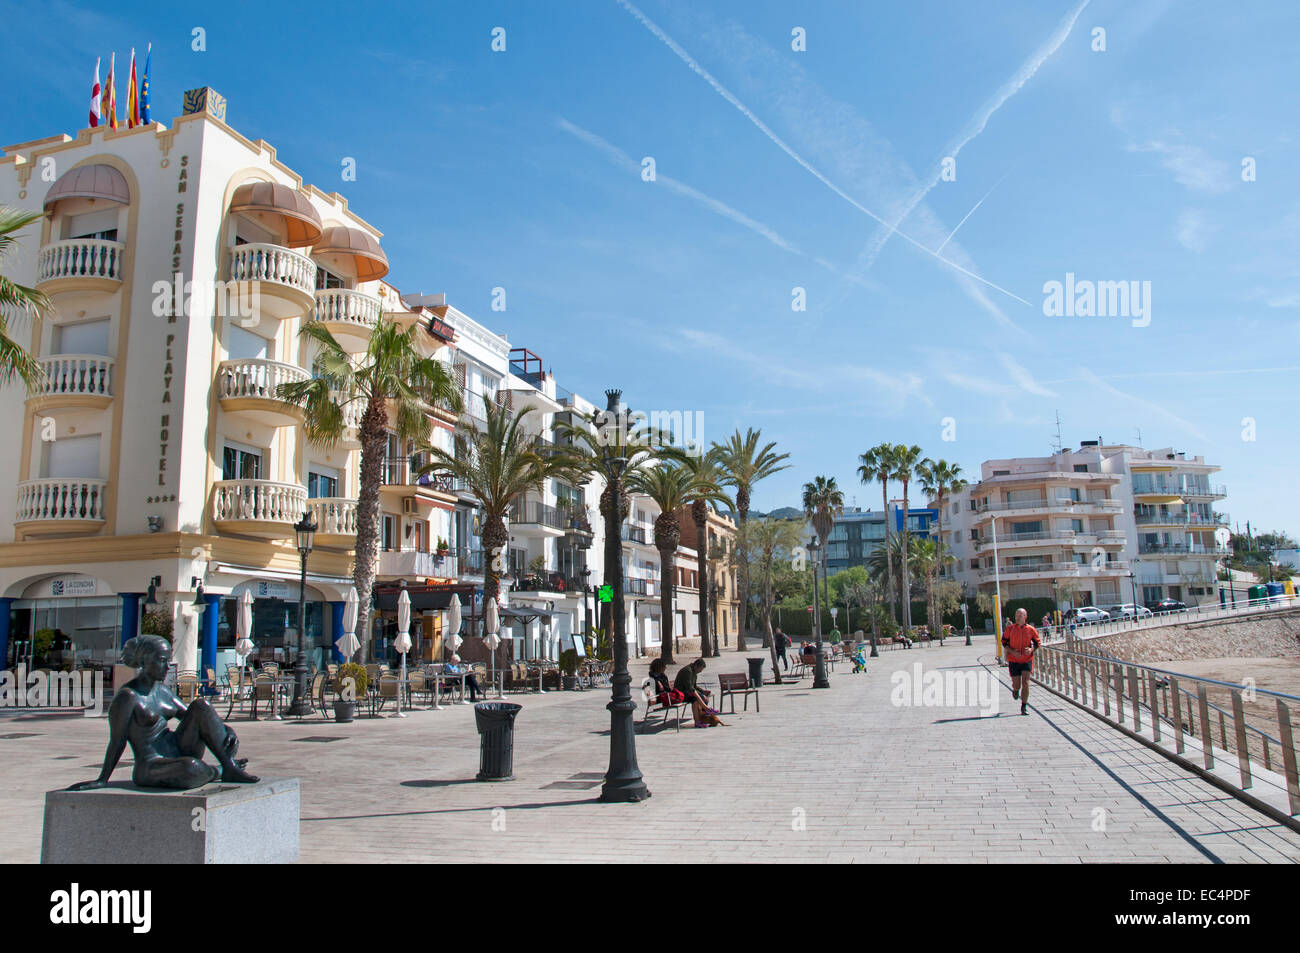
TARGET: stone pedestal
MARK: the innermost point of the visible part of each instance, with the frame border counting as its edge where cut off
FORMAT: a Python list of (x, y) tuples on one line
[(215, 824)]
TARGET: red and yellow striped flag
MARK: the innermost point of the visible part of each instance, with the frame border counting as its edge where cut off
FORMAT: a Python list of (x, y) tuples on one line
[(108, 106), (132, 97)]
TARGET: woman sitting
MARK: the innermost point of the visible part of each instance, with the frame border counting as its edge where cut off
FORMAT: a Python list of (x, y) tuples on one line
[(665, 694)]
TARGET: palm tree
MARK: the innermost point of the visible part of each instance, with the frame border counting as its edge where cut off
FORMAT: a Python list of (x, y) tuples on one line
[(938, 479), (886, 562), (878, 464), (822, 502), (668, 487), (707, 477), (498, 465), (745, 464), (390, 369), (927, 558), (17, 301), (769, 537), (905, 461)]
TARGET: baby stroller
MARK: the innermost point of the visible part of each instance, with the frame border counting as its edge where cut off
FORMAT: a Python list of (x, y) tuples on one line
[(860, 660)]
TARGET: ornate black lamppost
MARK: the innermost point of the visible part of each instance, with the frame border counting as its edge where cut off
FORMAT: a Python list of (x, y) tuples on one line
[(305, 530), (623, 781), (965, 611), (819, 670)]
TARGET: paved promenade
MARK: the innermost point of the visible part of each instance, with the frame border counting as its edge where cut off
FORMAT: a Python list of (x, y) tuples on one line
[(837, 775)]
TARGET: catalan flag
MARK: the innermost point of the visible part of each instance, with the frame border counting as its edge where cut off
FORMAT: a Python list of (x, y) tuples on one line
[(132, 99), (144, 87), (94, 98), (108, 105)]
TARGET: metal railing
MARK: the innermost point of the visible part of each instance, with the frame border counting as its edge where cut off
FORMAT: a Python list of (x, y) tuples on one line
[(1181, 549), (1204, 714), (1193, 614), (1061, 504)]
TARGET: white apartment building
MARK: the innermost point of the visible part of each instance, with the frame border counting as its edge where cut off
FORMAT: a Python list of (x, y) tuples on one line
[(157, 456), (1092, 526)]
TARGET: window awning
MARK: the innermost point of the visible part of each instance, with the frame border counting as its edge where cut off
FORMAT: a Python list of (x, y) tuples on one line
[(302, 226), (368, 258), (90, 182)]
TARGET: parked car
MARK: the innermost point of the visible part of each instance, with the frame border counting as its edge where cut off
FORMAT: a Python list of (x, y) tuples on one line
[(1128, 610), (1166, 605), (1085, 614)]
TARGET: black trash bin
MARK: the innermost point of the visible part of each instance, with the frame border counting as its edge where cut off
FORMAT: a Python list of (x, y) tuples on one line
[(756, 672), (496, 730)]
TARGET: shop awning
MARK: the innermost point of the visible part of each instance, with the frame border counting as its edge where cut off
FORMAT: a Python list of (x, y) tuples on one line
[(429, 599)]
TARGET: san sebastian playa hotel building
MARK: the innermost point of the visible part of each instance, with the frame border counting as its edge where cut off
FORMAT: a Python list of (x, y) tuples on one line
[(156, 454)]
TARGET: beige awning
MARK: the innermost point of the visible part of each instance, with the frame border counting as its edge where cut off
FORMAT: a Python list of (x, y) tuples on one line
[(90, 182), (302, 226), (369, 259)]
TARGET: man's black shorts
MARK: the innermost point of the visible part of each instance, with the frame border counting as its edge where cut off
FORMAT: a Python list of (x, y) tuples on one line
[(1019, 668)]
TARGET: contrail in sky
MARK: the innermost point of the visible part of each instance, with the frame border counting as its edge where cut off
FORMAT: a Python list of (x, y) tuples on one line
[(762, 127)]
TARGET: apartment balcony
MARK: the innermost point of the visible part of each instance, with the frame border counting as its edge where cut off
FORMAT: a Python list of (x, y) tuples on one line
[(80, 264), (282, 281), (336, 520), (417, 495), (57, 505), (1211, 492), (73, 380), (353, 411), (637, 534), (346, 312), (539, 517), (412, 564), (636, 586), (1028, 508), (258, 507), (550, 583), (251, 386), (469, 561), (1180, 549), (1057, 570)]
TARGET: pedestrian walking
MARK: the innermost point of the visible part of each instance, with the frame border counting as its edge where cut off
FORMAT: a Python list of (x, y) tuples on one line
[(1020, 641), (779, 641)]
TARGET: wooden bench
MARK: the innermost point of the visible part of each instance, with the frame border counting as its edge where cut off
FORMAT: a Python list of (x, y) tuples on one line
[(652, 707), (733, 685)]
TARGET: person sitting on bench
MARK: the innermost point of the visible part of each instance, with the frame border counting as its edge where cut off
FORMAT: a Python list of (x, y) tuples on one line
[(687, 682), (665, 694)]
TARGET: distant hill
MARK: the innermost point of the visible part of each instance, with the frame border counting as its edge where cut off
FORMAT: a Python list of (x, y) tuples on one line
[(784, 513)]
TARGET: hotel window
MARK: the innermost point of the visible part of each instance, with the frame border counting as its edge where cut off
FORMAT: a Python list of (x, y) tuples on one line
[(327, 279), (88, 337), (322, 483), (71, 457), (240, 463), (100, 225)]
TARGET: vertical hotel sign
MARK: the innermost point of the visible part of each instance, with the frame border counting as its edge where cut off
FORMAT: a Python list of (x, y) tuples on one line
[(178, 307)]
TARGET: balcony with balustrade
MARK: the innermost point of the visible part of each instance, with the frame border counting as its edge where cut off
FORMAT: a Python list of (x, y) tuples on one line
[(1025, 509), (336, 521), (73, 380), (251, 386), (414, 564), (417, 494), (56, 506), (531, 517), (1047, 570), (281, 283), (347, 313), (261, 508), (80, 264)]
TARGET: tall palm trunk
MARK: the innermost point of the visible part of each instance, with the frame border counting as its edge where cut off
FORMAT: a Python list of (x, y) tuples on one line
[(884, 508), (495, 539), (742, 567), (907, 593), (374, 444), (700, 513)]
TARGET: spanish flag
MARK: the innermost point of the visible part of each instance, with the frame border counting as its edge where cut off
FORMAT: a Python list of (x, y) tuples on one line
[(108, 105), (132, 99)]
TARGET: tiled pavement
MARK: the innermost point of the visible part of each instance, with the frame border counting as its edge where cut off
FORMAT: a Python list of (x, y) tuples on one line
[(837, 775)]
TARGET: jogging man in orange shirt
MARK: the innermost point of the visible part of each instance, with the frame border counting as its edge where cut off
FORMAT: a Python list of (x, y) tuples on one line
[(1020, 640)]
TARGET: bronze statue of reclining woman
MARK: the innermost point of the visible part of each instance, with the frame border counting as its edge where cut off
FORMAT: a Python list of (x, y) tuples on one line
[(139, 715)]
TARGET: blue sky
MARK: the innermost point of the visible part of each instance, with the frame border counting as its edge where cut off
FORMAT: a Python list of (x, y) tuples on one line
[(774, 170)]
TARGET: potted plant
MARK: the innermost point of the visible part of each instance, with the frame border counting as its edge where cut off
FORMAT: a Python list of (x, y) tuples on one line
[(569, 670), (442, 548), (350, 685)]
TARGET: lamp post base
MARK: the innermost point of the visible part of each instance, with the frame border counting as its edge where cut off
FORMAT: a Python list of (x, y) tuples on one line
[(819, 673), (624, 790), (301, 706)]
